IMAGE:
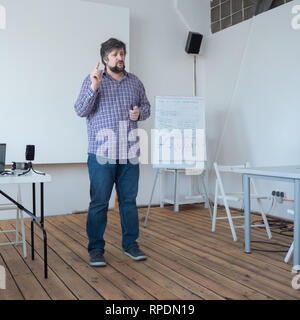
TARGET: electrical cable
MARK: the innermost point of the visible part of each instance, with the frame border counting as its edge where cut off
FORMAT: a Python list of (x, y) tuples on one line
[(285, 228), (287, 200), (6, 172), (270, 243), (272, 206), (236, 85)]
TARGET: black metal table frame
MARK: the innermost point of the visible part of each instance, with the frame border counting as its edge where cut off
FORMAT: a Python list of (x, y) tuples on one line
[(35, 220)]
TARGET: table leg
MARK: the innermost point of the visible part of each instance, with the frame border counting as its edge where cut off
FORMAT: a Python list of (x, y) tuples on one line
[(42, 204), (32, 224), (44, 232), (297, 225), (35, 220), (246, 183), (45, 255)]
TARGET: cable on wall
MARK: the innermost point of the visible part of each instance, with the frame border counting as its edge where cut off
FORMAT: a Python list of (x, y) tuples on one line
[(232, 97), (182, 18)]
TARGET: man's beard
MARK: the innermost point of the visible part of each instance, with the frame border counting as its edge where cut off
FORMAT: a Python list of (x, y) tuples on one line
[(117, 69)]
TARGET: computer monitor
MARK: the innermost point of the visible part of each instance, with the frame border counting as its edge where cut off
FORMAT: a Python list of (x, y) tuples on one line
[(2, 156)]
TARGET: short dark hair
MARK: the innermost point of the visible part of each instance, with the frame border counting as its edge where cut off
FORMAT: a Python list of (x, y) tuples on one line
[(108, 46)]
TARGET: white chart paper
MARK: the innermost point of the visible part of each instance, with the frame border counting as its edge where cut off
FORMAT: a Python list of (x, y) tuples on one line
[(179, 135)]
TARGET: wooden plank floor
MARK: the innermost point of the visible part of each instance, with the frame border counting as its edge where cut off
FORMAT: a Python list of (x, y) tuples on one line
[(185, 261)]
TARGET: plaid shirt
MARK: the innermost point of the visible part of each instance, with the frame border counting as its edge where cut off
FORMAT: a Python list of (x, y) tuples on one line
[(109, 127)]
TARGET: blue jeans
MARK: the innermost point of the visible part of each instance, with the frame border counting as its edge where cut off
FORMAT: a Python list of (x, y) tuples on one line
[(102, 178)]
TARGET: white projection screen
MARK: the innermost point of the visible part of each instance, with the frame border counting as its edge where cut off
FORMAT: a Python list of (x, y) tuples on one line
[(46, 50)]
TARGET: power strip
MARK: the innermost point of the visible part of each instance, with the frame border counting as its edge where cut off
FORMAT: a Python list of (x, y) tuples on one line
[(278, 195)]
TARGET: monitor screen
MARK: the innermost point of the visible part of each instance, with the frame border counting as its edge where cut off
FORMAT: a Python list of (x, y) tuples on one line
[(2, 156)]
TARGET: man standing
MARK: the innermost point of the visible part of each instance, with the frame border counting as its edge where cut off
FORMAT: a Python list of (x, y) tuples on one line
[(112, 101)]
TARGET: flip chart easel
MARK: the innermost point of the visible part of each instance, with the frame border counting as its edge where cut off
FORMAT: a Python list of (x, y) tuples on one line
[(178, 141)]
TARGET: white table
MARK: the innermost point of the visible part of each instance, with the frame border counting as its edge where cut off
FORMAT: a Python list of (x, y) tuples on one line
[(32, 178), (282, 173)]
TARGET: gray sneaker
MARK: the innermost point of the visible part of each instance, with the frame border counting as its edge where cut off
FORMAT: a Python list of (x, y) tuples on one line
[(135, 253), (97, 258)]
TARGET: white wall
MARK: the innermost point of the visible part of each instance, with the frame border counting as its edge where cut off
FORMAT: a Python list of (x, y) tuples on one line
[(157, 41), (252, 94), (50, 49), (157, 56), (194, 14)]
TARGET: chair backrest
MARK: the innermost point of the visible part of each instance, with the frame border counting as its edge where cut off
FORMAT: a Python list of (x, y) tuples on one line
[(221, 168), (230, 169)]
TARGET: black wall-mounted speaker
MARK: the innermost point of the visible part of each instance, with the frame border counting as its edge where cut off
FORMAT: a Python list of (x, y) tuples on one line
[(193, 43), (29, 154)]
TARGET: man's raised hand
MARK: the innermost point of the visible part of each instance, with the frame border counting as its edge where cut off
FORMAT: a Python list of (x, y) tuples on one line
[(96, 77)]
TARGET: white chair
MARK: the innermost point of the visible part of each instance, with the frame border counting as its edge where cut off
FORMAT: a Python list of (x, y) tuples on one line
[(236, 196), (291, 249), (19, 219)]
